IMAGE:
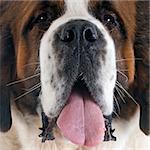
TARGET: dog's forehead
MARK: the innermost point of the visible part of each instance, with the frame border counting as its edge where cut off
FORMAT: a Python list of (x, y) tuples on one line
[(77, 6)]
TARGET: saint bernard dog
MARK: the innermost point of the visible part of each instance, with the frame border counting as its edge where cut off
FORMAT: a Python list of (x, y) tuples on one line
[(74, 75)]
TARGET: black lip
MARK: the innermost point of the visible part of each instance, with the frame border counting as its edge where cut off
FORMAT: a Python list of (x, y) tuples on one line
[(49, 124)]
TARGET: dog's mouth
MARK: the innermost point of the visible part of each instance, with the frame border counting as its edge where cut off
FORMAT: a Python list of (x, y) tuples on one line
[(81, 120)]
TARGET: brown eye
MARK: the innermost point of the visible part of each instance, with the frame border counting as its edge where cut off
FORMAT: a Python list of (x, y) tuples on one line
[(42, 20), (109, 20), (43, 17)]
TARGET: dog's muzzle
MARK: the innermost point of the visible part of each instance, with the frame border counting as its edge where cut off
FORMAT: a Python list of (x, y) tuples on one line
[(78, 48)]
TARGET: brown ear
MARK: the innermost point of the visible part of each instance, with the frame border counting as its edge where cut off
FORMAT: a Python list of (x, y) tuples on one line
[(142, 66), (6, 67)]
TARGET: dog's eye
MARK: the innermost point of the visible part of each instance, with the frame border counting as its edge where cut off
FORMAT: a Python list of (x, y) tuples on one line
[(41, 18), (109, 20)]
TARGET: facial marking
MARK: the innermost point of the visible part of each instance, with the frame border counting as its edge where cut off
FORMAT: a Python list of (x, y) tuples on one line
[(52, 70)]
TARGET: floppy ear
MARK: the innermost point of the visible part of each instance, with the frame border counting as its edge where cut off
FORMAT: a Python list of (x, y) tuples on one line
[(6, 67), (142, 66)]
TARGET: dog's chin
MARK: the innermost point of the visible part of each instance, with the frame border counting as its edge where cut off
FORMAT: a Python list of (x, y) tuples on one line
[(81, 120), (80, 117)]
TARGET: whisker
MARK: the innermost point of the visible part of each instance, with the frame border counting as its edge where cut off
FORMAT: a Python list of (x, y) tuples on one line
[(120, 93), (124, 70), (22, 80), (127, 59), (26, 93), (125, 91), (117, 104), (32, 87), (116, 114), (37, 70), (33, 63), (126, 78)]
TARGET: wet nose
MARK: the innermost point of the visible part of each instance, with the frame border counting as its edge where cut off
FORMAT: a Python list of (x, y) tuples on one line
[(78, 29)]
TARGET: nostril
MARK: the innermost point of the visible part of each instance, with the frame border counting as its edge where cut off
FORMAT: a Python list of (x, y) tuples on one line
[(90, 34), (67, 36)]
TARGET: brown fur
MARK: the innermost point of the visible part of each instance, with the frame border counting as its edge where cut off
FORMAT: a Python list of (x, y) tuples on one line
[(14, 19)]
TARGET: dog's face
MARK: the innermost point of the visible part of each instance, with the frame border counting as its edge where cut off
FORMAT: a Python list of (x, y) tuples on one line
[(78, 43), (78, 49), (70, 47)]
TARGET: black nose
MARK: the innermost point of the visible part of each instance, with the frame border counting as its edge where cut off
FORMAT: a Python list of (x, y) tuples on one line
[(78, 30)]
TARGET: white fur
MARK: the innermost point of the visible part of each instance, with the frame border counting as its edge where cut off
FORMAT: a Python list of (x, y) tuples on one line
[(25, 128), (75, 10), (24, 136)]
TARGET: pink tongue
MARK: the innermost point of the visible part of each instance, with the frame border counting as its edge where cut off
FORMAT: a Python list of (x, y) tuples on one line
[(81, 121)]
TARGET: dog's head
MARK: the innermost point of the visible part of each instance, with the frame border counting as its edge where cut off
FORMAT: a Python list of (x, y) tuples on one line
[(68, 52)]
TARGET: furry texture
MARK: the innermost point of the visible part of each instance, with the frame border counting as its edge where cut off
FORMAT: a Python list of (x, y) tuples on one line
[(129, 137), (22, 36)]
